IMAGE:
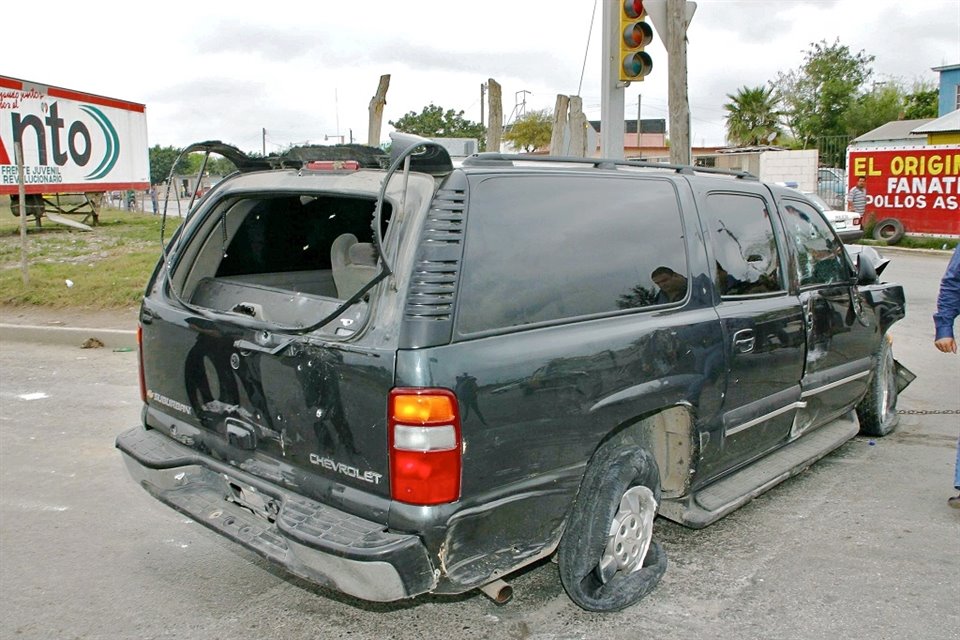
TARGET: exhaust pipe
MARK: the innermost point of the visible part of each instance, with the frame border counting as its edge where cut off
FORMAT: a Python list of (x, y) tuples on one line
[(498, 591)]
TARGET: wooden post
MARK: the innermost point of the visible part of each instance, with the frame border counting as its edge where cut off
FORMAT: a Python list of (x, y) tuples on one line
[(495, 116), (376, 111), (22, 192), (95, 201), (578, 128), (558, 136), (678, 103)]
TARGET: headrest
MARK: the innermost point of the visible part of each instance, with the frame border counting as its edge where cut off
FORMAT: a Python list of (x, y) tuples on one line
[(362, 253)]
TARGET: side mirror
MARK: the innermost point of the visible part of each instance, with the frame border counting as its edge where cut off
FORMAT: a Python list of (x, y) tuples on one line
[(866, 274)]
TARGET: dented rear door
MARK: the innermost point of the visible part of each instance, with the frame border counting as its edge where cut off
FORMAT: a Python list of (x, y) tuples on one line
[(303, 411)]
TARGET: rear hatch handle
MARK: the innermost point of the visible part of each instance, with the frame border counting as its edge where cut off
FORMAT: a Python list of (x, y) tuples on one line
[(264, 344)]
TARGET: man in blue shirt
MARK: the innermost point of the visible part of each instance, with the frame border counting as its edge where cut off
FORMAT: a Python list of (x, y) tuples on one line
[(948, 308)]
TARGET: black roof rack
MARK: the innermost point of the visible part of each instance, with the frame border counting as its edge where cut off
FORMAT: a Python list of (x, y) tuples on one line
[(493, 159), (300, 156), (293, 158)]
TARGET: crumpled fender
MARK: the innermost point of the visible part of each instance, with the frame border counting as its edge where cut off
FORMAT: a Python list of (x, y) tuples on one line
[(903, 376)]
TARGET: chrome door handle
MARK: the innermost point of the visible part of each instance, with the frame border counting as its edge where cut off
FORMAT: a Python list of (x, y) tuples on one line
[(744, 340)]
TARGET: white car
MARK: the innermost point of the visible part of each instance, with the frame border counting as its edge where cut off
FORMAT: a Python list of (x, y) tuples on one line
[(845, 223)]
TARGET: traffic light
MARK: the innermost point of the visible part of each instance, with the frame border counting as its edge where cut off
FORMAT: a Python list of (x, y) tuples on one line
[(635, 34)]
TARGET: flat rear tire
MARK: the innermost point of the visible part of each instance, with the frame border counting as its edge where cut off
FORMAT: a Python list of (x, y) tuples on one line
[(608, 559)]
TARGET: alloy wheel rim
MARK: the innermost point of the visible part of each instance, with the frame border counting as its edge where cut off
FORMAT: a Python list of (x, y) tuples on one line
[(630, 534)]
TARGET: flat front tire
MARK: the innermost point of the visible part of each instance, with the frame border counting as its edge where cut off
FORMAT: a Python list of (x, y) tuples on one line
[(608, 558), (878, 409)]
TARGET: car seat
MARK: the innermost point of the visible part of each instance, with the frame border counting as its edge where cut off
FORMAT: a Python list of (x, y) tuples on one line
[(354, 264)]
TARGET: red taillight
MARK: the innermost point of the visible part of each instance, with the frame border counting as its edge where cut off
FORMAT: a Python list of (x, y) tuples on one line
[(856, 222), (424, 446), (143, 380), (332, 165)]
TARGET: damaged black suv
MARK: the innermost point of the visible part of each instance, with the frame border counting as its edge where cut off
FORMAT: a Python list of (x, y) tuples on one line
[(392, 376)]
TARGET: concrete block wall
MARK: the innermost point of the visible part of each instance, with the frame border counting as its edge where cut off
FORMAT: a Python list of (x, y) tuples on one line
[(798, 166)]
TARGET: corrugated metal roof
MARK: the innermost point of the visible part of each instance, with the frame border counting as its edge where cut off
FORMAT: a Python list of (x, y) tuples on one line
[(896, 130), (949, 122), (755, 149)]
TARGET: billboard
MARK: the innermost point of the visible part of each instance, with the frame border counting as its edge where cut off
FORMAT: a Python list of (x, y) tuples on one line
[(919, 186), (72, 141)]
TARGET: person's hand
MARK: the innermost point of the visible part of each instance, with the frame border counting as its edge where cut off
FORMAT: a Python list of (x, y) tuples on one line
[(947, 345)]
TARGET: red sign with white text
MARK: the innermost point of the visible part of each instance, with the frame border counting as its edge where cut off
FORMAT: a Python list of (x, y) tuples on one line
[(919, 186)]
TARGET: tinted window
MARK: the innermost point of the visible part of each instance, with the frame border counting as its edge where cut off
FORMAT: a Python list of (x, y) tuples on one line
[(820, 255), (744, 244), (541, 248)]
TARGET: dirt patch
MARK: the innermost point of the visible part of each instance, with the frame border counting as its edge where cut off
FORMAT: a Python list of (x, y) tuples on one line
[(87, 318)]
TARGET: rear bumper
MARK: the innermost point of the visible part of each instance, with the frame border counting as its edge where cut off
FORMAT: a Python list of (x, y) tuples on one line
[(309, 539), (850, 235)]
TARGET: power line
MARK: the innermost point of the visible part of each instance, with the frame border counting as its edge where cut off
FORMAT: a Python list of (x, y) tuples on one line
[(593, 15)]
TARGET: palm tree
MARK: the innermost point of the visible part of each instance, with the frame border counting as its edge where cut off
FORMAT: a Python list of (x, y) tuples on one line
[(752, 116)]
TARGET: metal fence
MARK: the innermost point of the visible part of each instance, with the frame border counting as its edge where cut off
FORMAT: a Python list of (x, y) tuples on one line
[(833, 151), (831, 171)]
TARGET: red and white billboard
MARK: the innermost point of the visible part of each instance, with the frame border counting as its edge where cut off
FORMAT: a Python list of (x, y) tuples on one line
[(72, 141), (919, 186)]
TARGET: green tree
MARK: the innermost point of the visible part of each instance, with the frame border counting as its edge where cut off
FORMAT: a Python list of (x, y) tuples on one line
[(161, 160), (922, 102), (220, 166), (882, 104), (816, 97), (216, 165), (531, 131), (434, 122), (752, 116)]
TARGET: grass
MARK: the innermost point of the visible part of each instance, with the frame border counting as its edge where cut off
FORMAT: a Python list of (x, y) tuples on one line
[(915, 242), (908, 241), (108, 267)]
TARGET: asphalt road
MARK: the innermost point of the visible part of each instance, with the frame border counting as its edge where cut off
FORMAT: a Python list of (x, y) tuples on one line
[(862, 545)]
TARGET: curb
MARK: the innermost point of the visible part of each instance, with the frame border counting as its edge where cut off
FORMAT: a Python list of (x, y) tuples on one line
[(892, 248), (76, 336)]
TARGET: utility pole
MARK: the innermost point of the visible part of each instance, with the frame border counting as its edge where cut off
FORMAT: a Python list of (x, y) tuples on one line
[(611, 91), (671, 18), (639, 130), (677, 100), (264, 140), (495, 118), (483, 90), (375, 110), (569, 136), (578, 128), (558, 136)]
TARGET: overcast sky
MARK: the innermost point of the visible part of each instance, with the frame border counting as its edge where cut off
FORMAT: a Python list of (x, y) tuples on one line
[(306, 70)]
